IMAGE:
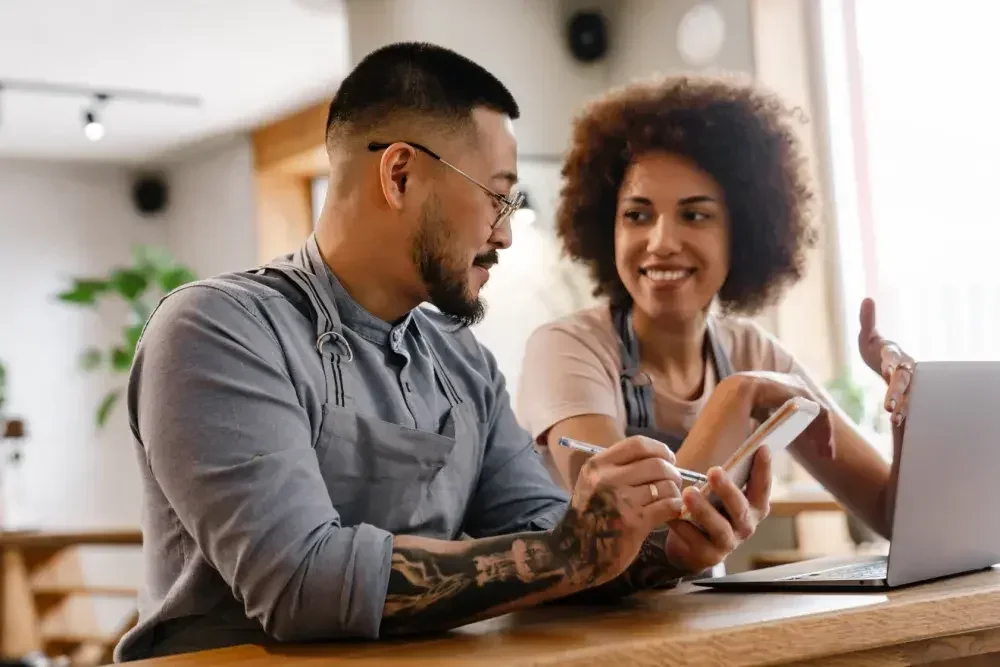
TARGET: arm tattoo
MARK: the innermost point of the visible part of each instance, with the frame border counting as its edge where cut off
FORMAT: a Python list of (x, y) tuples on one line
[(437, 585), (650, 570), (652, 567)]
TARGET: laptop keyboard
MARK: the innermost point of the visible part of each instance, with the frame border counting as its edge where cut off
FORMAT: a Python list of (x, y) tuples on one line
[(847, 572)]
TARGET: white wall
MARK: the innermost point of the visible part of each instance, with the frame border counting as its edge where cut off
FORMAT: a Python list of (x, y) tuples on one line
[(58, 221), (523, 43), (211, 224)]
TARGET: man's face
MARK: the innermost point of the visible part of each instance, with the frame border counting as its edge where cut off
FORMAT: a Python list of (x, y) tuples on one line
[(457, 238)]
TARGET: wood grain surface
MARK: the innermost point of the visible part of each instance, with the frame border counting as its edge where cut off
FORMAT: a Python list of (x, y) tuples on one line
[(933, 622)]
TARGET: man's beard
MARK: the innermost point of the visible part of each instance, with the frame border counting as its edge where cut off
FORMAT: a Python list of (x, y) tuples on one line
[(446, 280)]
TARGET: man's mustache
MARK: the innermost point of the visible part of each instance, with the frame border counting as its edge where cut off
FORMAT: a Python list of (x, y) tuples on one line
[(487, 259)]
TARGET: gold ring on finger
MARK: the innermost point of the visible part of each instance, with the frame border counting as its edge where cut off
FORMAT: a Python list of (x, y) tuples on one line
[(654, 491)]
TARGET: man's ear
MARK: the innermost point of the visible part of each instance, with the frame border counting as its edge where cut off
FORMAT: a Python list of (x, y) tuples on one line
[(395, 168)]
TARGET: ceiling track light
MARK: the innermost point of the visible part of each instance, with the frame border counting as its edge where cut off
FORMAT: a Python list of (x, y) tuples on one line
[(93, 128)]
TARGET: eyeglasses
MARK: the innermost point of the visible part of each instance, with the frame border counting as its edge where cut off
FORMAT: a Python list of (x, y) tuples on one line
[(507, 204)]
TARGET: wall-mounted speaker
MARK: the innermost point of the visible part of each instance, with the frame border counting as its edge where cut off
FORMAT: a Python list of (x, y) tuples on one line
[(150, 194), (587, 35)]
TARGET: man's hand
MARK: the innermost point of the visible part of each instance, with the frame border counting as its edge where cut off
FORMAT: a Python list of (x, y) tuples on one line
[(621, 495), (693, 549)]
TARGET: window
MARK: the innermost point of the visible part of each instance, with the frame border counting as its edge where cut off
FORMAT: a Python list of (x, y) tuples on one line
[(915, 163), (318, 185)]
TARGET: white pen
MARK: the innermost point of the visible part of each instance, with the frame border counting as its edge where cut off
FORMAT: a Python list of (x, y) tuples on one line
[(689, 475)]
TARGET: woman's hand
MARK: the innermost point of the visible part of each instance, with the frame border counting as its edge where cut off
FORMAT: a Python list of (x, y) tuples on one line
[(693, 549), (887, 359), (738, 403)]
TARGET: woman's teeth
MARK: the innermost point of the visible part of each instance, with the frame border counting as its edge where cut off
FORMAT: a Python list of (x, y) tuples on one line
[(662, 275)]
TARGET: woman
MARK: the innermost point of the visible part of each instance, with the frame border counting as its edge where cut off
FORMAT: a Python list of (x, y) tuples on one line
[(680, 194)]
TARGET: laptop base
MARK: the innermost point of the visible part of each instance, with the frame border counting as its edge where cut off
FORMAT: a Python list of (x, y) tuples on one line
[(811, 575)]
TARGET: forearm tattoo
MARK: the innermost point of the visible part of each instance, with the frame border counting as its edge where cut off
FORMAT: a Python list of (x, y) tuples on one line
[(436, 585), (652, 568)]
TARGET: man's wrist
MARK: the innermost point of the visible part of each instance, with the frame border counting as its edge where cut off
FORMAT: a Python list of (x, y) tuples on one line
[(653, 567)]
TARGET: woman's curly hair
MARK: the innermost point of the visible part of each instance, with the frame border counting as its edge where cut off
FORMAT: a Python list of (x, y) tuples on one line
[(738, 134)]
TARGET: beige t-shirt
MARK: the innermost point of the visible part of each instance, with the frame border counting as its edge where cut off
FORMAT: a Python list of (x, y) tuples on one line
[(572, 365)]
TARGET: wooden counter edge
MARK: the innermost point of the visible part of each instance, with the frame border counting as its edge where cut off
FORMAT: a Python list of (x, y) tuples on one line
[(57, 538), (957, 621), (812, 636)]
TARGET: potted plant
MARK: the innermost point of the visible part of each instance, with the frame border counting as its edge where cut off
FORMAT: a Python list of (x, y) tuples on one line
[(152, 274), (855, 400)]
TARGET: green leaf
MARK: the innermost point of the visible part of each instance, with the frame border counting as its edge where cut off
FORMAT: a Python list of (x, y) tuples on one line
[(84, 291), (173, 278), (104, 409), (132, 335), (91, 359), (129, 283), (151, 257), (121, 359)]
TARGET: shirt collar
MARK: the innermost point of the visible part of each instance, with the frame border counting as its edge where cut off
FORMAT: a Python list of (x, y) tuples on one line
[(352, 314)]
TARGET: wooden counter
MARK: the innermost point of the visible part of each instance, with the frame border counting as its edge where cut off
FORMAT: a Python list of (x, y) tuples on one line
[(45, 601), (936, 623)]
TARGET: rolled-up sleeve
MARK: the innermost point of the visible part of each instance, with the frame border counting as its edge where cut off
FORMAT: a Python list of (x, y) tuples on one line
[(515, 491), (229, 444)]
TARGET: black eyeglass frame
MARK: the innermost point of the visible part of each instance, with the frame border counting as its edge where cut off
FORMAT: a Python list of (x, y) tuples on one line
[(508, 205)]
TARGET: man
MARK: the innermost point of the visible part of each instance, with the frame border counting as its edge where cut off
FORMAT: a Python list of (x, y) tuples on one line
[(323, 459)]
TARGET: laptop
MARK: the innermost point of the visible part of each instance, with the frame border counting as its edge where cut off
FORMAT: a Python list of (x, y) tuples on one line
[(947, 495)]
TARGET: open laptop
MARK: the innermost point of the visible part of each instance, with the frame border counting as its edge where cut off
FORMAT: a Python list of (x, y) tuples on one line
[(947, 497)]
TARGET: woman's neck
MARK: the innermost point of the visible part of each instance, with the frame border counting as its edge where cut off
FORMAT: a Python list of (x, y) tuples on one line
[(673, 351)]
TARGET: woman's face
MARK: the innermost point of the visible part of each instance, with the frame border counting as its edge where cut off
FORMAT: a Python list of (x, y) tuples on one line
[(671, 236)]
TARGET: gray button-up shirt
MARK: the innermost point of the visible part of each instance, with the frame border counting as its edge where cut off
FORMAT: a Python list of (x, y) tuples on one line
[(284, 434)]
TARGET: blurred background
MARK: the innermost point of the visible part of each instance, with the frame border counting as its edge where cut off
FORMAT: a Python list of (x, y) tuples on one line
[(145, 142)]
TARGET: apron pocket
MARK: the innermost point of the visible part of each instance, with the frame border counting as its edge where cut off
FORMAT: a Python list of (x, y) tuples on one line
[(377, 472)]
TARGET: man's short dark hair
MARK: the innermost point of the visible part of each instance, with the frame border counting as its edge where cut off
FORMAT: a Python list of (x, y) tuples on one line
[(414, 78)]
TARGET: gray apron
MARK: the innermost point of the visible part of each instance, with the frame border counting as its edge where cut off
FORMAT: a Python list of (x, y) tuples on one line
[(400, 479), (637, 388)]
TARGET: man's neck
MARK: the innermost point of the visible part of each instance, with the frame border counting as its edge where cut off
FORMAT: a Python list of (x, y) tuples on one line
[(674, 350), (363, 267)]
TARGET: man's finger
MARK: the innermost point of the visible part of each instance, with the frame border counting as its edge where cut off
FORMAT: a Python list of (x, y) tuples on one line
[(646, 471), (716, 526), (693, 547), (662, 511), (735, 503), (758, 492), (635, 448)]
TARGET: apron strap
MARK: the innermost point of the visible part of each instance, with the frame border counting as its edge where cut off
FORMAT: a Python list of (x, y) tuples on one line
[(330, 343), (720, 358), (637, 388)]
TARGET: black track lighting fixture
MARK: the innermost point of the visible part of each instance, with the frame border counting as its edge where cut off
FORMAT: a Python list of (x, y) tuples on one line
[(93, 128)]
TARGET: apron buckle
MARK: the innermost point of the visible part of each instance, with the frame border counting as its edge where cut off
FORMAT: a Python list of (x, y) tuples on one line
[(334, 336)]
